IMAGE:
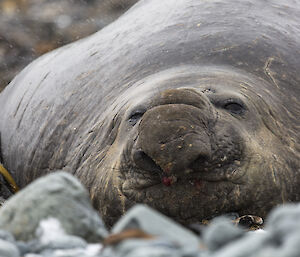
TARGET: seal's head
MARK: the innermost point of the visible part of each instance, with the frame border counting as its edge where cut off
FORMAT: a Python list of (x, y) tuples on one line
[(194, 142)]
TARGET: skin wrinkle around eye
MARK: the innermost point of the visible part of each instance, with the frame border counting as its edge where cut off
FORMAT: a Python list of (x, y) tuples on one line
[(235, 108)]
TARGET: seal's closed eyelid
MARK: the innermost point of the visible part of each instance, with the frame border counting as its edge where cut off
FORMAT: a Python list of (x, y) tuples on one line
[(135, 115), (137, 111), (234, 100), (234, 107)]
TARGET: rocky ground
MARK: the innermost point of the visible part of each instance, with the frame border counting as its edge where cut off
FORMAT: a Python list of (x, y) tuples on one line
[(53, 217), (30, 28)]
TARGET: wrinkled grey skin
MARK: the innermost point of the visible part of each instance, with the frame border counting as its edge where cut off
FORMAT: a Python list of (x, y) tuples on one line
[(189, 106)]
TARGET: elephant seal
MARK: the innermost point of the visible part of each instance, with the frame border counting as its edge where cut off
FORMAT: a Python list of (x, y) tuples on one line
[(191, 107)]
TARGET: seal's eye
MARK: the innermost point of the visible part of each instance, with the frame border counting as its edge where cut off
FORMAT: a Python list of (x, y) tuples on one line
[(135, 117), (232, 104), (234, 107)]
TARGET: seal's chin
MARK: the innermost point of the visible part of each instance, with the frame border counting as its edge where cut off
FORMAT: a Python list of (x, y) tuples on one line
[(199, 191), (188, 196), (187, 200)]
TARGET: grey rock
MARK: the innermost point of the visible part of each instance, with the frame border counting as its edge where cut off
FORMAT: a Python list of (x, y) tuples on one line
[(6, 236), (280, 239), (25, 247), (51, 236), (288, 248), (250, 245), (91, 250), (154, 223), (58, 195), (8, 249), (284, 220), (221, 232), (283, 227)]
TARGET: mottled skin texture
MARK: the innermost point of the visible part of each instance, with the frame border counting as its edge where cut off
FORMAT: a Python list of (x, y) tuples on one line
[(189, 106)]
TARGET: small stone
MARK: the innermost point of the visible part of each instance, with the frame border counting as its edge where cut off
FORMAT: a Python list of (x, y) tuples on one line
[(284, 219), (51, 236), (6, 236), (25, 247), (76, 252), (143, 248), (8, 249), (125, 235), (249, 221), (156, 224), (250, 245)]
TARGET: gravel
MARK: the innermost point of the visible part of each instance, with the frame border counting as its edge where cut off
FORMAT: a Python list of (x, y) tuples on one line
[(141, 232), (31, 28)]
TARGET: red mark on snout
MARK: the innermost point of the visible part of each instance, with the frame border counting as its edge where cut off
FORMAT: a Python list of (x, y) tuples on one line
[(167, 181)]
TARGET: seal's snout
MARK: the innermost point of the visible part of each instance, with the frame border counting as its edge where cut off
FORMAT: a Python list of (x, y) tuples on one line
[(173, 139)]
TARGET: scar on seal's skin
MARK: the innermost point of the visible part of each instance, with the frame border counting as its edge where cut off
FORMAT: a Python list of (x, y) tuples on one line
[(268, 71)]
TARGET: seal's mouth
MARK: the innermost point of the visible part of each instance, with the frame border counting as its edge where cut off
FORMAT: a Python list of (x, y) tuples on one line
[(148, 173)]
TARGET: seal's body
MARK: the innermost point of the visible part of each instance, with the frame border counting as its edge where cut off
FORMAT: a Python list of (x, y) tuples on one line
[(189, 106)]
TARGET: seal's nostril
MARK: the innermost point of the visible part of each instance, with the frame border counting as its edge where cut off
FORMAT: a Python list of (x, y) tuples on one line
[(200, 163), (143, 161)]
